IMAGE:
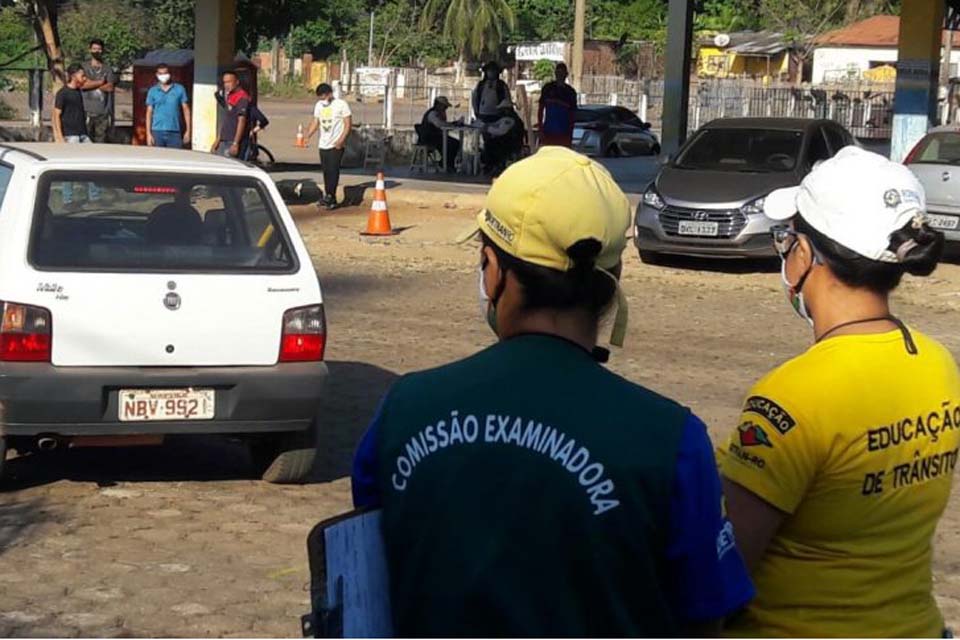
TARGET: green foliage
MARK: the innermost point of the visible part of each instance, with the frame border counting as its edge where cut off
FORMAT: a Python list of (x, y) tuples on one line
[(7, 112), (542, 19), (172, 22), (724, 16), (124, 27), (16, 36), (396, 39), (476, 27), (543, 71)]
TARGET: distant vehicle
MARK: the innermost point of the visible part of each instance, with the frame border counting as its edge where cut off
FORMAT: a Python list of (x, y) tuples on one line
[(601, 130), (151, 292), (935, 160), (708, 200)]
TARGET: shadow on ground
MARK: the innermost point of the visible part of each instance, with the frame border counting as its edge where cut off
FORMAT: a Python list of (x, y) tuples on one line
[(351, 395), (17, 519)]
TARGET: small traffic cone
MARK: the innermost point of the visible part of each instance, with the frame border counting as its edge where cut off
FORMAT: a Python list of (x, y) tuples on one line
[(300, 142), (378, 223)]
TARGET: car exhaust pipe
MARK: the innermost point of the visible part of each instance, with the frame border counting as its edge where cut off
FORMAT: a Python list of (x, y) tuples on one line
[(47, 444)]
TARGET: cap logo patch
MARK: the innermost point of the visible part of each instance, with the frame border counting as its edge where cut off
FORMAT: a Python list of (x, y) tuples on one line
[(502, 230), (891, 198)]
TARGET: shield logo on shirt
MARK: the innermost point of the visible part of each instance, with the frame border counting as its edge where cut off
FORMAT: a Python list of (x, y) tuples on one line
[(751, 435)]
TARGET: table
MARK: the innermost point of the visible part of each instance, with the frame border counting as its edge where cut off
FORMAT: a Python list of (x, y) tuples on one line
[(474, 131)]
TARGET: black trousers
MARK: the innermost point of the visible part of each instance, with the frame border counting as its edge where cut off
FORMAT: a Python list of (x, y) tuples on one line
[(330, 163)]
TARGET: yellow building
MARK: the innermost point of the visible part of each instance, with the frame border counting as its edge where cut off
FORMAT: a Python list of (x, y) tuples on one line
[(750, 54)]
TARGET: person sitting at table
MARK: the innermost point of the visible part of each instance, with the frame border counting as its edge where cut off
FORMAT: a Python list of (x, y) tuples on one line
[(430, 132), (502, 140)]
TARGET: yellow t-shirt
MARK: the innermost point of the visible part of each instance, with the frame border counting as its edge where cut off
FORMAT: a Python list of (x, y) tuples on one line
[(857, 441)]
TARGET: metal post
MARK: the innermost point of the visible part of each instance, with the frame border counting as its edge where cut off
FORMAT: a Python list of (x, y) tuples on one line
[(644, 103), (676, 90), (388, 104), (613, 99)]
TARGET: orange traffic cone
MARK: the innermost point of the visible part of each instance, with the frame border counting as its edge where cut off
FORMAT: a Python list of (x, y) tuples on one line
[(300, 142), (378, 223)]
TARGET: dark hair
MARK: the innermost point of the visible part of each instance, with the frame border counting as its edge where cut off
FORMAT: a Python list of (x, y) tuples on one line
[(163, 65), (561, 65), (323, 89), (95, 41), (72, 69), (231, 72), (582, 287), (919, 258)]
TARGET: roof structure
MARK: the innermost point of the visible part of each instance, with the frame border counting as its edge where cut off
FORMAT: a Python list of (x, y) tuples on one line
[(756, 43), (878, 31)]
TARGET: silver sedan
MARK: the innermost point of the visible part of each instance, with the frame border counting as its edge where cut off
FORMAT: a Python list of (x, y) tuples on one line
[(936, 163)]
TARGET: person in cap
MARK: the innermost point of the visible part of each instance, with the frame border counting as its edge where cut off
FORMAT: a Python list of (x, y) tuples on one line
[(841, 465), (433, 128), (527, 490), (489, 93), (503, 139)]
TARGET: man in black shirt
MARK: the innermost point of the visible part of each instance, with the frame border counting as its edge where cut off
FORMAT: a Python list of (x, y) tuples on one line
[(69, 116)]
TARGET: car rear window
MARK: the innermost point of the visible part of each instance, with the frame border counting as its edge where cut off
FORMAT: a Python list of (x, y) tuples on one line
[(938, 148), (746, 150), (157, 222)]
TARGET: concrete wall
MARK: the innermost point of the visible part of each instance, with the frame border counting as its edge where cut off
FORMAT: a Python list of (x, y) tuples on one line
[(833, 64)]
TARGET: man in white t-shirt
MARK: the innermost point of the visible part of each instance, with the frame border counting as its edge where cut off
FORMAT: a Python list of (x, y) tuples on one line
[(332, 117)]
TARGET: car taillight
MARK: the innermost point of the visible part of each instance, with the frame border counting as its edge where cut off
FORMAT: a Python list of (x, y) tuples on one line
[(24, 333), (304, 336)]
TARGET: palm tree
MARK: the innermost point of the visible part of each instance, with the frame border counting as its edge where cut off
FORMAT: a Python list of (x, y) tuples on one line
[(475, 26)]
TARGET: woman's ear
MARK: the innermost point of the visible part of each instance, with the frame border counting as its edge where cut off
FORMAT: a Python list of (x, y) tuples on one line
[(490, 265)]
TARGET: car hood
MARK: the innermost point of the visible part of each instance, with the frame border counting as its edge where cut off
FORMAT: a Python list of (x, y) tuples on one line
[(690, 188)]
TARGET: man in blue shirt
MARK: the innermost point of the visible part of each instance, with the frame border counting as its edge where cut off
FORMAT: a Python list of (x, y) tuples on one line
[(166, 100), (528, 491)]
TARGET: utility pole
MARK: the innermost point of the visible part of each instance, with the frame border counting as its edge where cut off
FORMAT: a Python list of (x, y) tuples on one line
[(579, 26), (370, 46), (945, 77)]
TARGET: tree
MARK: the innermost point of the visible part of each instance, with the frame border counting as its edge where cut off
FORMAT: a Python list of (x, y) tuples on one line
[(802, 22), (476, 27), (172, 21), (122, 25)]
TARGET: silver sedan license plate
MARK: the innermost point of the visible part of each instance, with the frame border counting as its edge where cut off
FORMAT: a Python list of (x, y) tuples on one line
[(154, 405), (946, 223), (692, 228)]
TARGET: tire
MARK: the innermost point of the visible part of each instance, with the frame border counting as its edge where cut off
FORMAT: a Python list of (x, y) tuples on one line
[(651, 257), (284, 458)]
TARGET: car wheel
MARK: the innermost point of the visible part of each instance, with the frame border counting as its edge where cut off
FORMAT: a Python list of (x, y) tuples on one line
[(286, 458), (651, 257)]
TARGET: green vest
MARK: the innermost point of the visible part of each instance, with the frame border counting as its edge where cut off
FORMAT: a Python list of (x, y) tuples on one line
[(526, 492)]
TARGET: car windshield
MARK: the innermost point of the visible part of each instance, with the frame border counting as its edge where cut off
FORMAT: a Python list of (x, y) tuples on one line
[(156, 222), (938, 148), (742, 150)]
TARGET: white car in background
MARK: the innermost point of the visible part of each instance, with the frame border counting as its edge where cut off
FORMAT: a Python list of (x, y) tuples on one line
[(935, 160), (148, 292)]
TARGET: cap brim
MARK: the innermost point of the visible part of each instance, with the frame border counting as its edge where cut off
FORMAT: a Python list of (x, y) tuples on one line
[(470, 234), (781, 204)]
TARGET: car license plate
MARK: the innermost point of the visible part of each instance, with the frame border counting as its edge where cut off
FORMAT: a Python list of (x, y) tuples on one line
[(943, 222), (690, 228), (149, 405)]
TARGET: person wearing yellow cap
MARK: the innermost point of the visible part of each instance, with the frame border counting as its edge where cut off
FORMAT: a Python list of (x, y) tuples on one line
[(527, 490), (843, 460)]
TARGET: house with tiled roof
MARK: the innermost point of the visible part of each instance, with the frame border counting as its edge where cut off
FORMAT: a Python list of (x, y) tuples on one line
[(865, 50)]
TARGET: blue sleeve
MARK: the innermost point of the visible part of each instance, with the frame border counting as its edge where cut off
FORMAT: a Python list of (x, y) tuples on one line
[(151, 98), (184, 98), (366, 490), (709, 578)]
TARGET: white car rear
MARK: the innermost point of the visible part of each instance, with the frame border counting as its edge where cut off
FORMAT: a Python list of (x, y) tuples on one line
[(155, 291)]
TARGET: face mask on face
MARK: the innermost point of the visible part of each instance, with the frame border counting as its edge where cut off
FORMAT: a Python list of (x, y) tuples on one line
[(96, 55), (163, 78), (795, 293)]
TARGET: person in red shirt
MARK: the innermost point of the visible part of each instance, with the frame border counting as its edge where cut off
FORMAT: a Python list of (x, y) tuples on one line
[(232, 140), (555, 114)]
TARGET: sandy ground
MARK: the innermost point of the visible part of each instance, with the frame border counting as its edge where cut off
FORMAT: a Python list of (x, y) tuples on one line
[(180, 540)]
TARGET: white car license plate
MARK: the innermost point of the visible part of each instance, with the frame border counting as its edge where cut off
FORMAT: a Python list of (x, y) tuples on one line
[(148, 405), (948, 223), (690, 228)]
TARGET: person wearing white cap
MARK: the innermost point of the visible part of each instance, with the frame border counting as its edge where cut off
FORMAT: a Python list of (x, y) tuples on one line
[(842, 463)]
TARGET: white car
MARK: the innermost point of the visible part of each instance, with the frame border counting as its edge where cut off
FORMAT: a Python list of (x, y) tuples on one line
[(148, 292)]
